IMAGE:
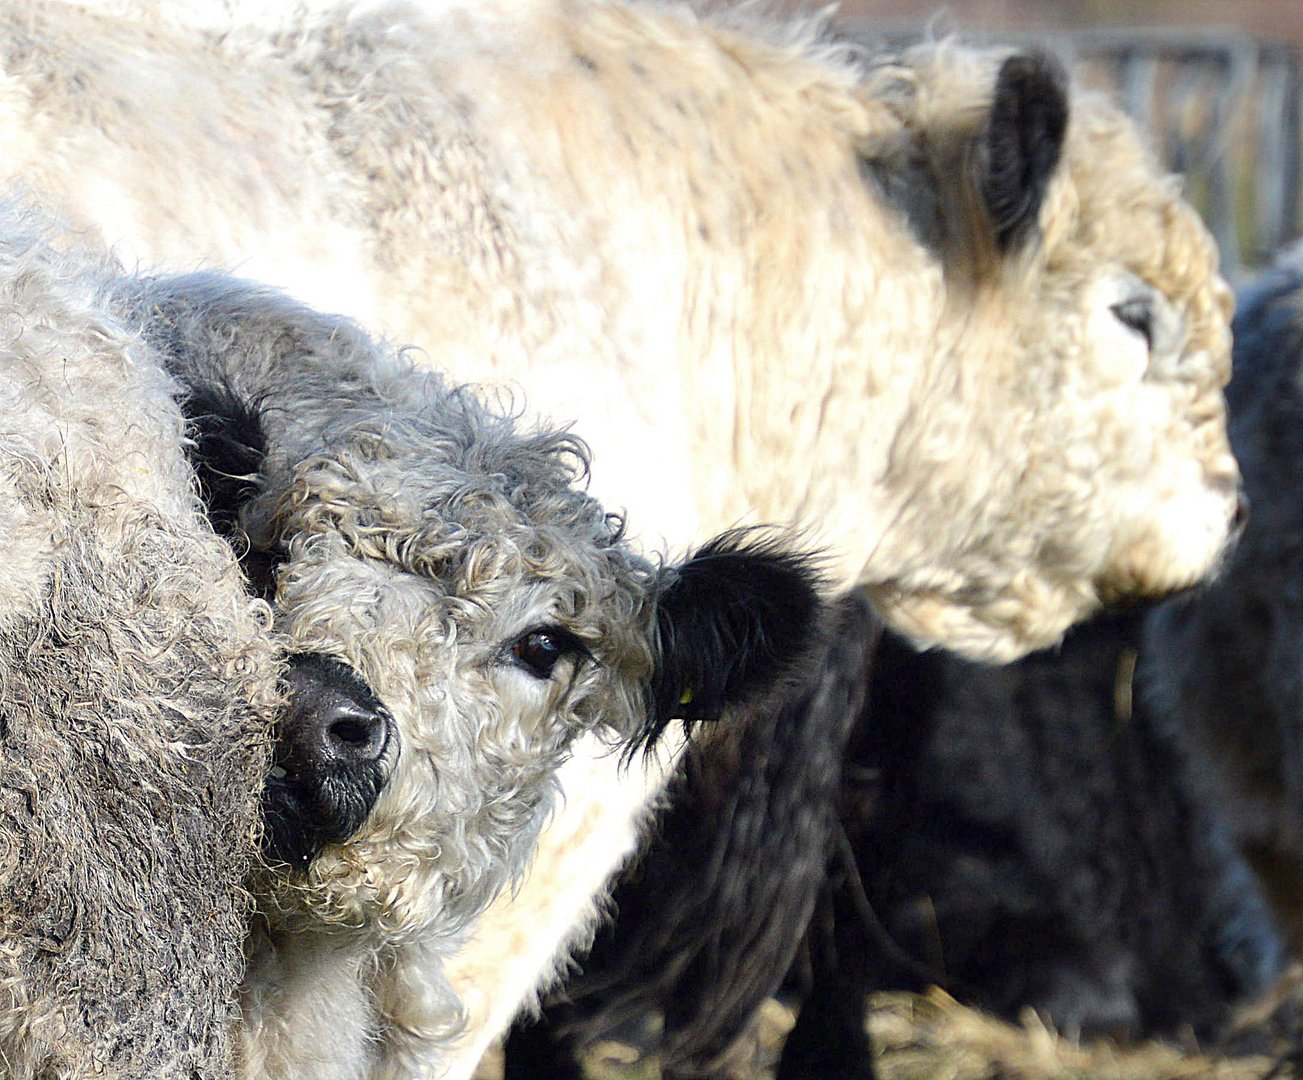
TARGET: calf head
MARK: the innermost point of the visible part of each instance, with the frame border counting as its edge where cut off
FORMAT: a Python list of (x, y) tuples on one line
[(1065, 444), (478, 609)]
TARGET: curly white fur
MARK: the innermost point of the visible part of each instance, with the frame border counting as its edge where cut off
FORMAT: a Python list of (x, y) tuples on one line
[(752, 267)]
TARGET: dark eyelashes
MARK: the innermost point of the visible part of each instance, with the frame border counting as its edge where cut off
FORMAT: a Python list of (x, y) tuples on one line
[(540, 649)]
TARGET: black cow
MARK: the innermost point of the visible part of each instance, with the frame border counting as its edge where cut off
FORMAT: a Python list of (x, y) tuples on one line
[(1068, 833)]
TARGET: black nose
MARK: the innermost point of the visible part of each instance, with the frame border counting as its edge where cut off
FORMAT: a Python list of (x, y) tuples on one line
[(332, 741), (333, 716), (355, 734)]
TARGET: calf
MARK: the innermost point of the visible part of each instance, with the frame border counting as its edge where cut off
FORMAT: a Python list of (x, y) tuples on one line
[(458, 612), (1035, 836)]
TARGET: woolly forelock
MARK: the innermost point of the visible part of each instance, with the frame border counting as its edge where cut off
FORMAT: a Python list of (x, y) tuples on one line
[(137, 681), (420, 533)]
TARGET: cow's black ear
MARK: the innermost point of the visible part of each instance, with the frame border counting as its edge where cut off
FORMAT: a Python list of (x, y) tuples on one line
[(1022, 143), (732, 621), (228, 445)]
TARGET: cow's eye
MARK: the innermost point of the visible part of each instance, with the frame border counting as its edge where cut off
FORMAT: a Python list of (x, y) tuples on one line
[(539, 650), (1137, 314)]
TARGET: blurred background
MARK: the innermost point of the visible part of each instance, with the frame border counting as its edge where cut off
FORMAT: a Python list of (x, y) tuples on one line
[(1215, 82)]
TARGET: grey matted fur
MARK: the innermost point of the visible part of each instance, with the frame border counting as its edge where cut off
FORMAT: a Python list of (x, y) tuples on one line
[(137, 685)]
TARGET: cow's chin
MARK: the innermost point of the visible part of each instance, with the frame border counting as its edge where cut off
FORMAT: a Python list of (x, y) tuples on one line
[(1028, 613), (1170, 545), (331, 893), (1181, 542)]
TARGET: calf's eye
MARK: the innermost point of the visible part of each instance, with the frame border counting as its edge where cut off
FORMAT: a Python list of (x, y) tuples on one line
[(540, 649)]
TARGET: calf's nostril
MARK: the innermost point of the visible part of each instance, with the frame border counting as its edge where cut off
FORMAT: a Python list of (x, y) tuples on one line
[(332, 718), (352, 732), (357, 735)]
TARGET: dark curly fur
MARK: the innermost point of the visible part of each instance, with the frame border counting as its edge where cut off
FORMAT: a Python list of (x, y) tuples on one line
[(739, 613), (228, 444), (1034, 836)]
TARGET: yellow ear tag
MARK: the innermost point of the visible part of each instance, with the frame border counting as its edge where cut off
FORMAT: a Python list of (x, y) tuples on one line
[(686, 697)]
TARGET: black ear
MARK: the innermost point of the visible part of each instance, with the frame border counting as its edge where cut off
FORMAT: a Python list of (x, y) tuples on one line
[(1023, 142), (732, 621), (228, 445)]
